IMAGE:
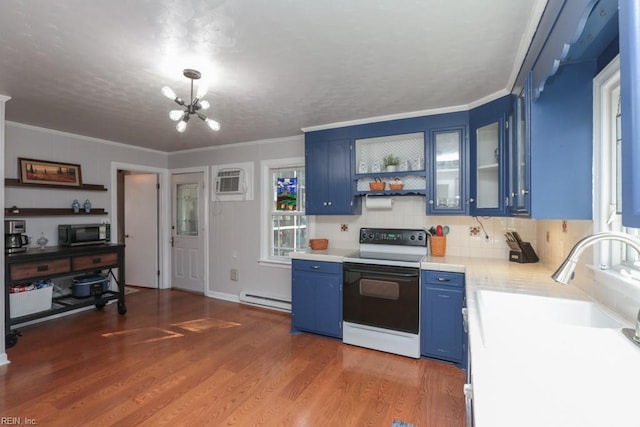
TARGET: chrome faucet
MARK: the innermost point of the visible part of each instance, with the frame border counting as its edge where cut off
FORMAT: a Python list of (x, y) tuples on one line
[(565, 272)]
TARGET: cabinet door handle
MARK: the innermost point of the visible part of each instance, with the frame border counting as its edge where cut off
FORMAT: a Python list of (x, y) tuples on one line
[(329, 203), (468, 398), (465, 320), (524, 191), (443, 296), (43, 267), (443, 279), (430, 202), (96, 260), (315, 267)]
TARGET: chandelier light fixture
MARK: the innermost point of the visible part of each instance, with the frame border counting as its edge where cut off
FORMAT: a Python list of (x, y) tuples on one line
[(193, 107)]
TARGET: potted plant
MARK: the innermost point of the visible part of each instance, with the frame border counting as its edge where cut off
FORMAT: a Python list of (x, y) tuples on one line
[(391, 162)]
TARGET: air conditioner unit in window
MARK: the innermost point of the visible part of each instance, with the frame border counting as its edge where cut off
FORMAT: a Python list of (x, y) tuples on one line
[(231, 181)]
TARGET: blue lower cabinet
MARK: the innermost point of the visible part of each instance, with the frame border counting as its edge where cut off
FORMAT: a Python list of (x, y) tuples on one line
[(442, 333), (316, 297)]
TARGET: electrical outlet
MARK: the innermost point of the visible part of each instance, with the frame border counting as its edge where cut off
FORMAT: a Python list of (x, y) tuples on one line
[(235, 274)]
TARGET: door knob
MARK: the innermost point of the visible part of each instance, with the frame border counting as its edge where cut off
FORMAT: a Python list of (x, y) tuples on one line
[(126, 235)]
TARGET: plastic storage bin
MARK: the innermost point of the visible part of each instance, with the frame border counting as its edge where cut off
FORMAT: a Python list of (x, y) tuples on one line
[(29, 302)]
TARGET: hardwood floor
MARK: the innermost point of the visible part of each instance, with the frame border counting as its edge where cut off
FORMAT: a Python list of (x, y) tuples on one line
[(182, 359)]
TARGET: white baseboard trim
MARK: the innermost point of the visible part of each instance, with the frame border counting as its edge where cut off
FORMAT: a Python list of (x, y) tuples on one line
[(4, 360), (270, 302), (223, 296)]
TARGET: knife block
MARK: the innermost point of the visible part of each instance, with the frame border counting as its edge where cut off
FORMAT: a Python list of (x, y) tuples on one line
[(524, 254)]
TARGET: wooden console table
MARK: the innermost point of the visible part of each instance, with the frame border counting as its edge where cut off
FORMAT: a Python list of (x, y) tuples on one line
[(58, 261)]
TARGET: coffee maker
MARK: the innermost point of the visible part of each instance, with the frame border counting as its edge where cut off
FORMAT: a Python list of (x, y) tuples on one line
[(14, 239)]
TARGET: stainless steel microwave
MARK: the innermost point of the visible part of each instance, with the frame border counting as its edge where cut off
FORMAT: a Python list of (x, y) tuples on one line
[(83, 234)]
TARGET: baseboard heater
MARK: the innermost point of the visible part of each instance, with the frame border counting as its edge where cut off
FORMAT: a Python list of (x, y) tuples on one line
[(262, 299)]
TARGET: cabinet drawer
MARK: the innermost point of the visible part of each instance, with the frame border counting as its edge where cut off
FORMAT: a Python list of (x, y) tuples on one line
[(317, 266), (94, 261), (32, 270), (443, 278)]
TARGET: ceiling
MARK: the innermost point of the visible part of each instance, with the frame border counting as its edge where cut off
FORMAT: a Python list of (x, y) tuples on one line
[(273, 66)]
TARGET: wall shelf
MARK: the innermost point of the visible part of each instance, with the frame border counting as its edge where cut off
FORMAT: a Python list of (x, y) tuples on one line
[(14, 182), (390, 175), (417, 192), (27, 212)]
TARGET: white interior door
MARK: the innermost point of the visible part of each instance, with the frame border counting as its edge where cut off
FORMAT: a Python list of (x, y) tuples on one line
[(141, 229), (187, 230)]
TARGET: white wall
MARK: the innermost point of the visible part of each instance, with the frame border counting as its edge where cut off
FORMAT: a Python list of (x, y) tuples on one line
[(94, 157), (234, 226)]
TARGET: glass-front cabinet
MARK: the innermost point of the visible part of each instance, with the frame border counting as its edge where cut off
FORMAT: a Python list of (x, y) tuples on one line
[(520, 172), (488, 194), (446, 189), (487, 167)]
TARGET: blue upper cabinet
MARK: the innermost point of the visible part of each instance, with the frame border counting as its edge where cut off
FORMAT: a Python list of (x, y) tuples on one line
[(557, 106), (328, 177), (488, 192), (562, 145), (448, 165), (629, 21)]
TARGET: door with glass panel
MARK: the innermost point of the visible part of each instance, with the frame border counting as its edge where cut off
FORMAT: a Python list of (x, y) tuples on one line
[(187, 232)]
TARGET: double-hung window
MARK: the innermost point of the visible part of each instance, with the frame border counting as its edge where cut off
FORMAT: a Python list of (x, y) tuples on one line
[(284, 221), (607, 171)]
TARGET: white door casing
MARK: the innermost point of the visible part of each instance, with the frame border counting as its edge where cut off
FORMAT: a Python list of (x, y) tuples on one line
[(188, 231), (164, 216), (141, 229)]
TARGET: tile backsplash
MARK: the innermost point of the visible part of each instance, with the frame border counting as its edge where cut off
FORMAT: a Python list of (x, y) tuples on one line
[(551, 239), (558, 239), (409, 212)]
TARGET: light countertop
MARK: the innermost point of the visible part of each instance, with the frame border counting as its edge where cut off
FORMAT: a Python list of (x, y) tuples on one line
[(542, 375), (327, 255), (537, 374)]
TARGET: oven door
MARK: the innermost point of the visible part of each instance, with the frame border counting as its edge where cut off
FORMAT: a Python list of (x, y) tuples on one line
[(386, 297)]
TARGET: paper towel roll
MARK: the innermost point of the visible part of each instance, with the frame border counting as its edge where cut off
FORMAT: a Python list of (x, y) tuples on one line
[(378, 203)]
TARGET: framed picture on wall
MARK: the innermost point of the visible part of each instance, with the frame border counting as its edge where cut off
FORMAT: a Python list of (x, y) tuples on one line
[(43, 172)]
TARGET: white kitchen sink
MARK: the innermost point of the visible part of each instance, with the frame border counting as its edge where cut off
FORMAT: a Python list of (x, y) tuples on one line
[(533, 310)]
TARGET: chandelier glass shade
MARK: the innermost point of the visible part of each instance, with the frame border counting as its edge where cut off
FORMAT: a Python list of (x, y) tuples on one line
[(193, 107)]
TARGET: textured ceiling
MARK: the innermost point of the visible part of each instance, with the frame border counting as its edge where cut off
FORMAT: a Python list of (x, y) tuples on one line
[(96, 68)]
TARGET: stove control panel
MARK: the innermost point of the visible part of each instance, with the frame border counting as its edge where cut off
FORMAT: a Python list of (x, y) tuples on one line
[(393, 236)]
